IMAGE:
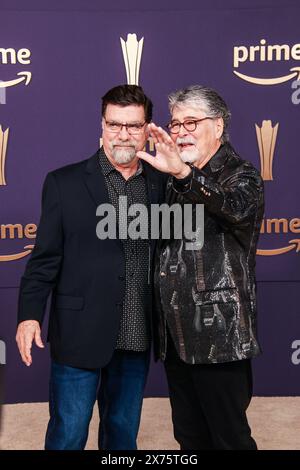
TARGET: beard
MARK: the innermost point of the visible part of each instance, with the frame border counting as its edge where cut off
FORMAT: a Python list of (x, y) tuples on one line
[(190, 154), (123, 154)]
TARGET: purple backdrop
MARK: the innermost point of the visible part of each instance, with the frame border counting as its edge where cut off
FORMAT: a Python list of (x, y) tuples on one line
[(75, 57)]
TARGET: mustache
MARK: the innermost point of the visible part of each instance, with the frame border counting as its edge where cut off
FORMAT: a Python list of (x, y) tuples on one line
[(116, 144), (185, 140)]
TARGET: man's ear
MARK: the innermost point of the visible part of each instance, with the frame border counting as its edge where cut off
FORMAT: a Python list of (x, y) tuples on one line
[(219, 126)]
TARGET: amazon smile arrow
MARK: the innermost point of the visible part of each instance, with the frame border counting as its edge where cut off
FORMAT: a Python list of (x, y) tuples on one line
[(270, 81), (25, 76)]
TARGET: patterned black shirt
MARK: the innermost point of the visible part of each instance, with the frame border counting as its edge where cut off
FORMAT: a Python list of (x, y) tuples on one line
[(134, 328)]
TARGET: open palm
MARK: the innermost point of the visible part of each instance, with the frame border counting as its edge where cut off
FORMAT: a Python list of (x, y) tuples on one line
[(167, 158)]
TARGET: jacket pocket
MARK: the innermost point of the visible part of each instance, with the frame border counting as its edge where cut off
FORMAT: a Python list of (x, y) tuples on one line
[(69, 302)]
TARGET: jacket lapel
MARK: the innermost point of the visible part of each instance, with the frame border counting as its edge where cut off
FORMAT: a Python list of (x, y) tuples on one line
[(95, 181), (155, 188), (152, 184)]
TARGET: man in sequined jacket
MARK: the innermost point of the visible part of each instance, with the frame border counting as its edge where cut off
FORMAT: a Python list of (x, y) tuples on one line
[(206, 297)]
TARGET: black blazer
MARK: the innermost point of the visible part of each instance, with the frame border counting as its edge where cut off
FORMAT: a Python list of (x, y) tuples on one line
[(85, 275)]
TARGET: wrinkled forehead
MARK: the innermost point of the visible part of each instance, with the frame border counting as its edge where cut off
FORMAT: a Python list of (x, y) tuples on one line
[(130, 113), (189, 111)]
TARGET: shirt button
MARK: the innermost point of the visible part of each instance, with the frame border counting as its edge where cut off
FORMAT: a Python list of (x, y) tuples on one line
[(162, 274)]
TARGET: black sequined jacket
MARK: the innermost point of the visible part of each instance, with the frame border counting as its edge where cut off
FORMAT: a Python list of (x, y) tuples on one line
[(207, 296)]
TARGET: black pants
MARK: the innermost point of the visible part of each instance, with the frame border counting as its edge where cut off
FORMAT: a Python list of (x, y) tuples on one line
[(209, 403)]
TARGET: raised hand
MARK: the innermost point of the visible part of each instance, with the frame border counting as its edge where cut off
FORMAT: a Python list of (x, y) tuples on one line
[(167, 158)]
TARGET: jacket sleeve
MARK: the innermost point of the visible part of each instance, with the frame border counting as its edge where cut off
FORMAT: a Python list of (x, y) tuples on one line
[(43, 266), (235, 199)]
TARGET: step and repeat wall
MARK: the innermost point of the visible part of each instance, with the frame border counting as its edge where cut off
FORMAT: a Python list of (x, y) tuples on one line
[(55, 64)]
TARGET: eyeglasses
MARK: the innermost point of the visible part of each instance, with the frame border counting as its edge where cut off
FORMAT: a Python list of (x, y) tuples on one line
[(132, 129), (190, 125)]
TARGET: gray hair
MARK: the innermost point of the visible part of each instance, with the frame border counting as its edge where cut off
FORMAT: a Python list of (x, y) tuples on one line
[(207, 99)]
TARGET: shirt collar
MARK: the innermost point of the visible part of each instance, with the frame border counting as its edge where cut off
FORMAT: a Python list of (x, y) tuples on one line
[(218, 160), (105, 164)]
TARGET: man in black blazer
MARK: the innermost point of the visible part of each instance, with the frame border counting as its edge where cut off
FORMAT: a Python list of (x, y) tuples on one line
[(99, 325)]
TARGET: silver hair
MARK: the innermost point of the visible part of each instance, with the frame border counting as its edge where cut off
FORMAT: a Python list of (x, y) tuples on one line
[(207, 99)]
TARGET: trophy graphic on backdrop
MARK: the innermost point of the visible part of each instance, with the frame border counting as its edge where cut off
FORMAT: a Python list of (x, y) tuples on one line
[(266, 138), (3, 148), (132, 54)]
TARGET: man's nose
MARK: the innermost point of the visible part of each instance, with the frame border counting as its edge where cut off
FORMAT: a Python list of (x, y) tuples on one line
[(182, 131), (123, 134)]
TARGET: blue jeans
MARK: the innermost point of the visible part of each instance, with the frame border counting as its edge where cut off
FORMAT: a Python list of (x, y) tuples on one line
[(73, 393)]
